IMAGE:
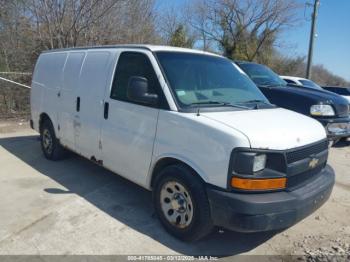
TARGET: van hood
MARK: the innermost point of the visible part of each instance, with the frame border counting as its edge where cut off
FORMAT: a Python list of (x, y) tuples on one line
[(276, 129)]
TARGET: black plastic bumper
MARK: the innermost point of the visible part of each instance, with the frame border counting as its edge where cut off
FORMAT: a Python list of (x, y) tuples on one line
[(246, 212)]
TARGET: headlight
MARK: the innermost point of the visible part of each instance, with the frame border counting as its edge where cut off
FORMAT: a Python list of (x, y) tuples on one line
[(322, 110), (259, 162), (249, 162), (251, 170)]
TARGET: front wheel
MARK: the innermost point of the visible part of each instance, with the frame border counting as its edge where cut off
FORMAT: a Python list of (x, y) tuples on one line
[(181, 203)]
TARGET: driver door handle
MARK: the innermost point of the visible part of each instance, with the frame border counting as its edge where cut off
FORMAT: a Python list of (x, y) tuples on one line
[(78, 104), (105, 111)]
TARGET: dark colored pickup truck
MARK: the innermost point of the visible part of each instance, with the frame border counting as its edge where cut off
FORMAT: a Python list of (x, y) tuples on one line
[(328, 108)]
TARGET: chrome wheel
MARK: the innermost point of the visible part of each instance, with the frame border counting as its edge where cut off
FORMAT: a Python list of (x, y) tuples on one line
[(176, 204), (47, 141)]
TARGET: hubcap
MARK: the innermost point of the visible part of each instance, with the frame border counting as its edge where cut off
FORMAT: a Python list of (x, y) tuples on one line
[(47, 141), (176, 204)]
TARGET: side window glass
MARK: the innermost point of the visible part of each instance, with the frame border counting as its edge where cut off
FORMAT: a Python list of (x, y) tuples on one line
[(290, 81), (134, 64)]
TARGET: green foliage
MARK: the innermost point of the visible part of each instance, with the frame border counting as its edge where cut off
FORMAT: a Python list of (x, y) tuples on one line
[(180, 38)]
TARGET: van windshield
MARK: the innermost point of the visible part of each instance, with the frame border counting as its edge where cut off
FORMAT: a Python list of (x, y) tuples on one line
[(208, 81)]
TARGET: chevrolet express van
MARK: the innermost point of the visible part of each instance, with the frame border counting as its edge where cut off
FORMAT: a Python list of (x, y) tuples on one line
[(189, 126)]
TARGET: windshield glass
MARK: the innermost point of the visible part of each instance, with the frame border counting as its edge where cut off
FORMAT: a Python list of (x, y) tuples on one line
[(262, 75), (310, 84), (205, 80)]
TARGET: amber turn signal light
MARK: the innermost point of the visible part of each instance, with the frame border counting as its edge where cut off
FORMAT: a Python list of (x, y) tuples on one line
[(258, 184)]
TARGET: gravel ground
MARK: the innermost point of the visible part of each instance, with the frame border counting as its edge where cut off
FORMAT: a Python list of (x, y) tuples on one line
[(76, 207)]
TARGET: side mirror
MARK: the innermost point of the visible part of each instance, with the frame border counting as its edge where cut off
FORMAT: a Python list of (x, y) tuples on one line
[(138, 91)]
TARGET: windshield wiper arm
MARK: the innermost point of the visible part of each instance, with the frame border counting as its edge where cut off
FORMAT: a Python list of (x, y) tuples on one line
[(210, 102), (256, 101)]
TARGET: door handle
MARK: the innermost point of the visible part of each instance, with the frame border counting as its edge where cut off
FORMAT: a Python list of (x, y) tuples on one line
[(78, 104), (105, 111)]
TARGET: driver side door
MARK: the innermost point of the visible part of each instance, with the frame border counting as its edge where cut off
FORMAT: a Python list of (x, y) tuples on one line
[(129, 128)]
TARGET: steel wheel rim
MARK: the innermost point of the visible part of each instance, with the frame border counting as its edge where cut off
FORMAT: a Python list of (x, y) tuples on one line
[(176, 204), (47, 141)]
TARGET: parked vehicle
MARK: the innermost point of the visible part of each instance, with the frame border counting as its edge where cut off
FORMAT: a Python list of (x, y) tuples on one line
[(328, 108), (342, 91), (301, 82), (190, 127)]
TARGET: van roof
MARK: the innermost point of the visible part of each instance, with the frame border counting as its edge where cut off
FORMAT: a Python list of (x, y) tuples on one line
[(152, 48)]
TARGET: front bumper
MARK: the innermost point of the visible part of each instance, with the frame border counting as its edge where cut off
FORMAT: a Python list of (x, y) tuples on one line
[(249, 212), (336, 127)]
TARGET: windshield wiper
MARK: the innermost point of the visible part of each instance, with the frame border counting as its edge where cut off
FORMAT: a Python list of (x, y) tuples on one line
[(218, 103), (256, 101), (209, 103)]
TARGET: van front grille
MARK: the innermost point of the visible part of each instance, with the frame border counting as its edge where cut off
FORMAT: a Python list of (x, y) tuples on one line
[(300, 179), (307, 151)]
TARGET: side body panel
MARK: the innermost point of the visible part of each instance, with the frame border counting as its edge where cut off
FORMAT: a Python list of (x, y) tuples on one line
[(46, 85), (128, 135), (202, 143), (127, 138), (95, 76), (68, 98)]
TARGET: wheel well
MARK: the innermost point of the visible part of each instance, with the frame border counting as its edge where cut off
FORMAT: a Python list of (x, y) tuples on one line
[(43, 117), (167, 161)]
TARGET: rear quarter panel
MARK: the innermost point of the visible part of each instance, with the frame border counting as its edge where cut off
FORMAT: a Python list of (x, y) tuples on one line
[(46, 84)]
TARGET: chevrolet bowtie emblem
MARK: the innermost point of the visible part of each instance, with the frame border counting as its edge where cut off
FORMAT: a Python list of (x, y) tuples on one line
[(313, 163)]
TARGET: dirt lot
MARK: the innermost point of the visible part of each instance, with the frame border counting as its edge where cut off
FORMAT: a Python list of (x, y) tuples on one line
[(76, 207)]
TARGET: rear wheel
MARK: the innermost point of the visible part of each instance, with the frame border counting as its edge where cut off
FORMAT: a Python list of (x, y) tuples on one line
[(181, 203), (50, 145)]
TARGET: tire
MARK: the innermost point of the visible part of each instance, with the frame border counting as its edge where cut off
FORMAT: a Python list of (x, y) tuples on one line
[(50, 145), (180, 190)]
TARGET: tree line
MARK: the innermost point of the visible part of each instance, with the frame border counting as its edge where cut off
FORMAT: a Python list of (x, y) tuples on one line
[(239, 29)]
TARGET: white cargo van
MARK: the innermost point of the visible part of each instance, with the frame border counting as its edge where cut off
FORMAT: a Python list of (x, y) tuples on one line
[(188, 125)]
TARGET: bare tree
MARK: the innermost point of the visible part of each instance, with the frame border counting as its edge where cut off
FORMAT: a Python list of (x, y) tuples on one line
[(59, 24), (198, 19), (173, 24), (27, 27), (169, 20), (137, 21), (244, 29), (34, 25)]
